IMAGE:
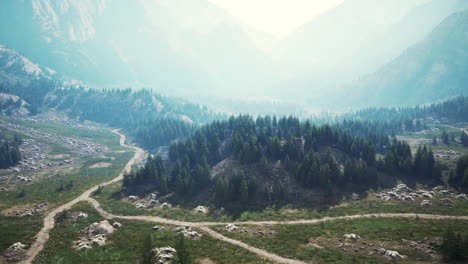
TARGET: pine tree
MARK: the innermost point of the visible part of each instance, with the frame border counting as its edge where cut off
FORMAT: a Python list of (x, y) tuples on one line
[(183, 252), (244, 191)]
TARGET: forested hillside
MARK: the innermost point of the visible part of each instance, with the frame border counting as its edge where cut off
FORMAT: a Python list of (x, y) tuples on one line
[(286, 160)]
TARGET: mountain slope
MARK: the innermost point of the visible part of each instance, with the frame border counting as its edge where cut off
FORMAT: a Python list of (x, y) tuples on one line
[(164, 44), (432, 70), (355, 39)]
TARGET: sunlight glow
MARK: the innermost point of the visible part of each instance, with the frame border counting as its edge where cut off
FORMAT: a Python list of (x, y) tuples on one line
[(276, 17)]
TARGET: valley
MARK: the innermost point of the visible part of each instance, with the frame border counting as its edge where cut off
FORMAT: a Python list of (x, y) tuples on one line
[(178, 132)]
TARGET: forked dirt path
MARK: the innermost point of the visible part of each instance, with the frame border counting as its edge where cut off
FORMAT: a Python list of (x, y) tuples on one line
[(49, 221)]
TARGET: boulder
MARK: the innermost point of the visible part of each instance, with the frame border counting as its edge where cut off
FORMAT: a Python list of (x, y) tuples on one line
[(156, 228), (116, 225), (83, 246), (426, 203), (133, 198), (393, 254), (103, 228), (99, 240), (446, 201), (461, 196), (352, 237), (15, 252), (166, 206), (140, 206), (82, 215), (231, 228), (200, 209), (164, 255)]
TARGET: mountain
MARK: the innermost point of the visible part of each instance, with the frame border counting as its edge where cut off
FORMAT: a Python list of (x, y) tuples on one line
[(355, 39), (163, 44), (432, 70)]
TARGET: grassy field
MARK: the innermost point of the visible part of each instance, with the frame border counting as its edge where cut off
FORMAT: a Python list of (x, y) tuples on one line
[(48, 190), (293, 240), (113, 203), (15, 229), (126, 244)]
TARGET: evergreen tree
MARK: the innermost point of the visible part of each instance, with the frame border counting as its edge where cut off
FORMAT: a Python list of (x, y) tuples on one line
[(183, 252)]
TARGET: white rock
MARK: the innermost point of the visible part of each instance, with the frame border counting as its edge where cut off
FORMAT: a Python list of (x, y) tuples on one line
[(393, 254), (426, 203), (166, 206), (352, 237), (461, 196), (200, 209), (231, 228), (117, 225), (133, 198)]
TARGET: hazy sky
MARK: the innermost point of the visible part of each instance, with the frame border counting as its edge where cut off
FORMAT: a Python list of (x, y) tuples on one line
[(278, 17)]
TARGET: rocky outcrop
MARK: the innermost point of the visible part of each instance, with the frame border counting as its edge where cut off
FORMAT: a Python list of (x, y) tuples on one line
[(187, 231), (200, 210), (15, 252), (164, 255)]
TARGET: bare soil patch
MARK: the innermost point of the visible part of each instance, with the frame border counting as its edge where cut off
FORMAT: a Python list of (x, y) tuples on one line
[(100, 165)]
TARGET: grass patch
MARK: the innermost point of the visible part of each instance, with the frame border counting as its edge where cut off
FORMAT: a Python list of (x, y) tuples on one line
[(126, 244), (111, 201), (18, 229), (290, 241), (47, 190)]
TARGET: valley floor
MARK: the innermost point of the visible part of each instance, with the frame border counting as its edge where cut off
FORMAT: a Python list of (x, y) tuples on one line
[(275, 236)]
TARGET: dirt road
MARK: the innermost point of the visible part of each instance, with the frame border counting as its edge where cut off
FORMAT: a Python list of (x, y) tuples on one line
[(49, 220)]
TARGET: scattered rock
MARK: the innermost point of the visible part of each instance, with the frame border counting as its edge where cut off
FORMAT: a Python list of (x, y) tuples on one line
[(462, 196), (133, 198), (164, 255), (231, 228), (16, 252), (200, 209), (156, 228), (166, 206), (187, 231), (426, 203), (446, 201), (352, 237), (117, 225), (393, 254)]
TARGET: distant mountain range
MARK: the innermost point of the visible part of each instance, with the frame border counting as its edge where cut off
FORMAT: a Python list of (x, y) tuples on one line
[(192, 48), (432, 70)]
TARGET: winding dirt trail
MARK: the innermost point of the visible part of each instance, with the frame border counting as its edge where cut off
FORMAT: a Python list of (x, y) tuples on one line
[(49, 221)]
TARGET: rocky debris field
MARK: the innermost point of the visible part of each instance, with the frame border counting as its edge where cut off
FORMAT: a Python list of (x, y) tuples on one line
[(34, 157), (354, 244), (35, 209), (95, 234), (60, 119), (76, 145), (15, 252), (447, 155), (401, 192)]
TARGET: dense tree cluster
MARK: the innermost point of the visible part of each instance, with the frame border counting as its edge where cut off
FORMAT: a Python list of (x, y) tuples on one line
[(9, 151), (459, 177), (152, 119), (307, 151), (454, 246)]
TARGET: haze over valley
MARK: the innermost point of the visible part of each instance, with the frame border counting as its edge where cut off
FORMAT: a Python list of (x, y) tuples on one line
[(222, 131)]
